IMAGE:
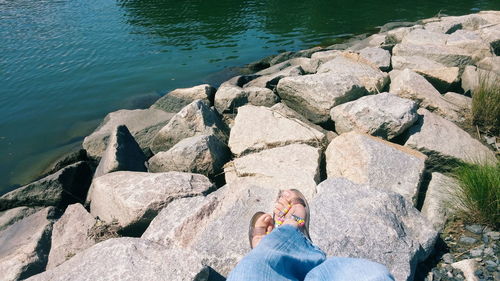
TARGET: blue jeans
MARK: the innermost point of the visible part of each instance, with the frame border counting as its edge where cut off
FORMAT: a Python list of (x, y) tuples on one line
[(285, 254)]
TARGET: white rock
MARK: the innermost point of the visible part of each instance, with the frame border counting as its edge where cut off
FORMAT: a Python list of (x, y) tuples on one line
[(199, 154), (292, 166), (377, 56), (129, 259), (438, 198), (470, 41), (385, 115), (352, 220), (411, 85), (468, 267), (194, 119), (142, 123), (447, 55), (436, 135), (369, 160), (179, 98), (462, 101), (13, 215), (70, 235), (24, 246), (314, 95), (425, 37), (133, 198), (257, 128)]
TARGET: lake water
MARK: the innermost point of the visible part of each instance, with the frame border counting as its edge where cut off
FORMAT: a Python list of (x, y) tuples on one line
[(64, 64)]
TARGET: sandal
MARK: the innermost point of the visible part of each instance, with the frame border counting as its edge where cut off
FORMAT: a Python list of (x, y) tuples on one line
[(298, 199)]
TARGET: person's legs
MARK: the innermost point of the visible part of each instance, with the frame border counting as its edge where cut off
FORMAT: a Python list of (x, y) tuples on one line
[(284, 254), (349, 269)]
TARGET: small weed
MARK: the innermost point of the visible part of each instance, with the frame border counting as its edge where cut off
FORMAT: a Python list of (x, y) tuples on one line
[(477, 198)]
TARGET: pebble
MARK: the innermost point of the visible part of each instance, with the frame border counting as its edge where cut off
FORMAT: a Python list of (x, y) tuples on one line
[(448, 258), (476, 252), (495, 235), (474, 228), (490, 263), (489, 252), (467, 240)]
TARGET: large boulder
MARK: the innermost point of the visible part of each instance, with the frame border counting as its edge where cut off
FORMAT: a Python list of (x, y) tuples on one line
[(470, 41), (261, 96), (214, 228), (194, 119), (257, 128), (314, 95), (377, 56), (385, 115), (130, 259), (70, 235), (440, 76), (177, 99), (365, 159), (439, 137), (122, 154), (355, 65), (133, 198), (464, 102), (24, 246), (229, 97), (142, 123), (292, 166), (352, 220), (13, 215), (410, 85), (66, 186), (438, 199), (204, 154)]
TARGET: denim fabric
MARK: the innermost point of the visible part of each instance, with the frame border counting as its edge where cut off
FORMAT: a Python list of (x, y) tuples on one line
[(285, 254)]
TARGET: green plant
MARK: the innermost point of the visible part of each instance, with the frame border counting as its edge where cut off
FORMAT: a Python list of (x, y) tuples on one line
[(486, 104), (477, 197)]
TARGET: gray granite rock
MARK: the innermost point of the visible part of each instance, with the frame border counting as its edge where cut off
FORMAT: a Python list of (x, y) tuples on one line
[(314, 95), (366, 222), (438, 200), (204, 154), (292, 166), (410, 85), (24, 246), (122, 154), (133, 198), (377, 56), (261, 96), (464, 102), (229, 97), (257, 128), (194, 119), (177, 99), (13, 215), (271, 80), (129, 259), (70, 235), (437, 136), (66, 186), (385, 115), (470, 41), (142, 123), (355, 65), (365, 159)]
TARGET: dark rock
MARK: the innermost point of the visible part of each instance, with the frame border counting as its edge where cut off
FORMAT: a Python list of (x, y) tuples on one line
[(474, 228), (66, 186)]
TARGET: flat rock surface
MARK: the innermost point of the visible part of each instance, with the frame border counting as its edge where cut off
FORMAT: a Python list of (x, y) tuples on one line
[(128, 259), (385, 115), (199, 154), (13, 215), (377, 56), (436, 135), (24, 246), (259, 128), (142, 123), (369, 160), (70, 235), (194, 119), (438, 199), (365, 222), (292, 166), (314, 95), (66, 186), (134, 198)]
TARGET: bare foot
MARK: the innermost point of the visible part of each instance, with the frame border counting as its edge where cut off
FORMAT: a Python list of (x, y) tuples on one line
[(260, 225), (291, 208)]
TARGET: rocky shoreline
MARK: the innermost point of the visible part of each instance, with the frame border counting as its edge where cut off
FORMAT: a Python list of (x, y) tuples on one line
[(366, 129)]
